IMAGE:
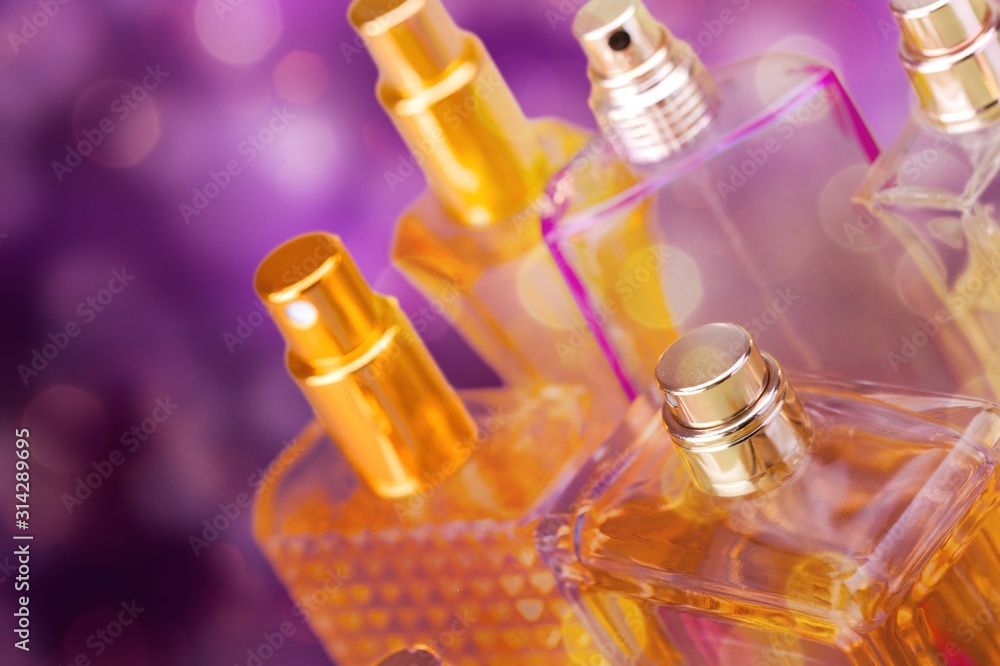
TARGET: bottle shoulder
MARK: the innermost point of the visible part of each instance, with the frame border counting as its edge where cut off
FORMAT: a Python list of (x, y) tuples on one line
[(427, 234), (527, 445), (886, 480), (777, 96)]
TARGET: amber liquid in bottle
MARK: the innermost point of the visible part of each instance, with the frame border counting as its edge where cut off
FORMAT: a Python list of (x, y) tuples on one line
[(404, 515), (869, 538), (475, 233)]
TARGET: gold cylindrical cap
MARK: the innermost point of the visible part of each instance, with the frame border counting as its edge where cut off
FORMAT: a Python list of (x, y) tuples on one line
[(451, 105), (951, 52), (711, 375), (651, 94), (417, 39), (370, 380), (729, 409)]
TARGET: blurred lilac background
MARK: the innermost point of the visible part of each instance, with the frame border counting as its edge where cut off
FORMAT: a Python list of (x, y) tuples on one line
[(282, 94)]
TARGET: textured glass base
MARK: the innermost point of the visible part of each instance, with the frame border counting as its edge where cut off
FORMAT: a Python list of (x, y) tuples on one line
[(453, 566)]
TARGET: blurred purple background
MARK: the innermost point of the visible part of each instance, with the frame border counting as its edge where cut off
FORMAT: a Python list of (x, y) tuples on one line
[(282, 93)]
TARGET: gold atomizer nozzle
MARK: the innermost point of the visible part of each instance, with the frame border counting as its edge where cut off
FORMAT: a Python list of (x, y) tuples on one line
[(950, 49), (479, 153), (368, 376), (418, 38), (735, 419), (651, 95)]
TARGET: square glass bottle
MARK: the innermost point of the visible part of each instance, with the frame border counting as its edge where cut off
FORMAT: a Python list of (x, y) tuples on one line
[(936, 188), (723, 195), (476, 228), (402, 516), (824, 525)]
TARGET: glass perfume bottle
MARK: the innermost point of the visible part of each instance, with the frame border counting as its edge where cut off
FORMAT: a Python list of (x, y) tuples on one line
[(476, 229), (402, 516), (829, 524), (936, 188), (417, 656), (723, 195)]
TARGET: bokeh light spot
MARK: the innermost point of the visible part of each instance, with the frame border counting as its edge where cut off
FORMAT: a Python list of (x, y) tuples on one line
[(661, 275), (543, 292), (115, 122), (306, 155), (70, 420), (846, 223), (237, 33), (300, 77)]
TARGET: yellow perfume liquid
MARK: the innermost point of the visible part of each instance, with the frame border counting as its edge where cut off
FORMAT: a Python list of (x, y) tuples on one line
[(825, 525), (403, 515), (477, 228)]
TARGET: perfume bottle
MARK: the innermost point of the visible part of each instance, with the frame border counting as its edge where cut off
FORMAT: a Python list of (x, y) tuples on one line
[(723, 195), (827, 524), (404, 515), (416, 656), (476, 229), (936, 188)]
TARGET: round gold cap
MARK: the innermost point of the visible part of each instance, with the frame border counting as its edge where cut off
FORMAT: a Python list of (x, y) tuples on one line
[(320, 302), (736, 421), (711, 375), (951, 52), (368, 377)]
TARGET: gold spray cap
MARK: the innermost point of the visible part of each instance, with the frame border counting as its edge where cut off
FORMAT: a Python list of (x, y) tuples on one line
[(449, 102), (951, 53), (730, 410), (651, 94), (370, 380)]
